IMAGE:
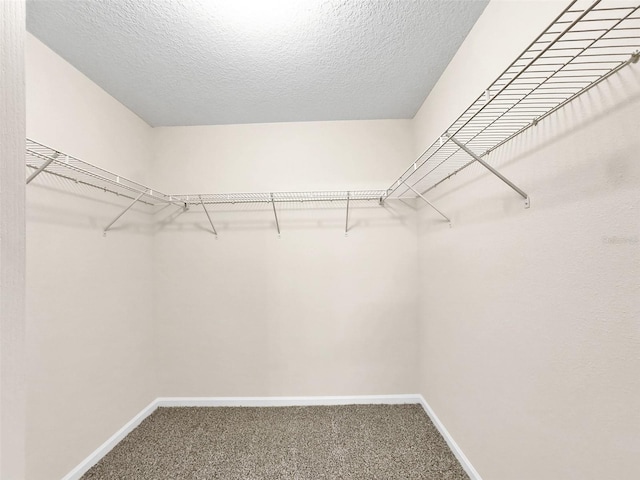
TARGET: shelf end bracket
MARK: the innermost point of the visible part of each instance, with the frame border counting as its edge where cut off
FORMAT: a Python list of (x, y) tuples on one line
[(518, 190), (427, 201), (135, 200), (42, 167)]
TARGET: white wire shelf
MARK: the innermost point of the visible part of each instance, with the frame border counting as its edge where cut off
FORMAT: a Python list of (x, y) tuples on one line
[(273, 198), (278, 197), (43, 159), (588, 42)]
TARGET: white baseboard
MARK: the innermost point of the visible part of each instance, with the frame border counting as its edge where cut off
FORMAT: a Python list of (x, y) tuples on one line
[(101, 451), (286, 401), (107, 446), (457, 451)]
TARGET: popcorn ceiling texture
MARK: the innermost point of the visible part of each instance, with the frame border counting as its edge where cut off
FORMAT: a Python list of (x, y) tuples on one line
[(199, 62)]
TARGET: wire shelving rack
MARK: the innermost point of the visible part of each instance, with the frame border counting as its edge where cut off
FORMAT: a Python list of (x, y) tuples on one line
[(278, 197), (273, 198), (43, 159), (40, 158), (587, 43)]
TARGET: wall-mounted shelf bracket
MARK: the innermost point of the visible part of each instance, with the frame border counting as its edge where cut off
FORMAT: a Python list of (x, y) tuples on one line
[(178, 203), (209, 217), (346, 224), (427, 202), (106, 229), (42, 167), (517, 189), (275, 214)]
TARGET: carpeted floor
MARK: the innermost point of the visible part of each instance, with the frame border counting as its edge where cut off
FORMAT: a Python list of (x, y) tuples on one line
[(338, 442)]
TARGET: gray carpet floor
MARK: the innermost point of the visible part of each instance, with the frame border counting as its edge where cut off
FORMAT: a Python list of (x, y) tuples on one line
[(336, 442)]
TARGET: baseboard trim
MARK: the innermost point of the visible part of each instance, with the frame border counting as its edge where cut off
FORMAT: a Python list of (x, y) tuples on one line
[(287, 401), (107, 446), (455, 448)]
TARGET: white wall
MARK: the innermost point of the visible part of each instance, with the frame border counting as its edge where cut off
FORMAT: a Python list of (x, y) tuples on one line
[(310, 313), (529, 318), (89, 298), (12, 240)]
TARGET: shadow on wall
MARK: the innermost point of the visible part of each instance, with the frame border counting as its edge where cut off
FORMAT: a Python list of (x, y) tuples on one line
[(63, 203), (291, 216)]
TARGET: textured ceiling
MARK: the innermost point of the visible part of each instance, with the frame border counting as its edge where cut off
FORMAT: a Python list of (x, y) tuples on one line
[(205, 62)]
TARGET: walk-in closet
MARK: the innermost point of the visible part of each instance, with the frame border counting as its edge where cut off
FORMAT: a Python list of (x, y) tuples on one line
[(319, 239)]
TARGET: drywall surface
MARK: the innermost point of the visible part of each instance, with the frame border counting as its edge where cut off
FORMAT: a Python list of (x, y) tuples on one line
[(529, 332), (12, 241), (89, 298), (311, 312)]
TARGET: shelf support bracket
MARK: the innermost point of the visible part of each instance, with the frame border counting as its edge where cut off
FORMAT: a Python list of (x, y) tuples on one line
[(209, 217), (346, 224), (427, 201), (518, 190), (135, 200), (178, 203), (42, 167), (275, 214)]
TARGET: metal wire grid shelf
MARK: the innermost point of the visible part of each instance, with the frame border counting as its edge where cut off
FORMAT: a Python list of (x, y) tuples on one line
[(278, 197), (588, 42), (40, 158), (43, 159)]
